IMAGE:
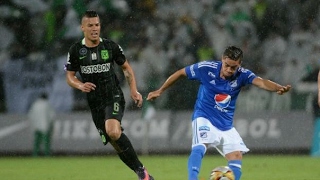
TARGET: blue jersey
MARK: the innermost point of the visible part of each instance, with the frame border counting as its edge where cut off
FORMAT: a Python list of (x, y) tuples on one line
[(216, 99)]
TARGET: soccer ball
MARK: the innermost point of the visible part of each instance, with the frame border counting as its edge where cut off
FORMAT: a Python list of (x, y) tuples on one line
[(221, 173)]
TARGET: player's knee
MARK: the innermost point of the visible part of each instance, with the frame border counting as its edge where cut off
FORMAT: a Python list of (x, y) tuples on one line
[(237, 155), (200, 149), (113, 129), (114, 134)]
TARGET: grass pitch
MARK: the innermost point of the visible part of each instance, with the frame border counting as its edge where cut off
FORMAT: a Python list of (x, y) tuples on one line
[(255, 167)]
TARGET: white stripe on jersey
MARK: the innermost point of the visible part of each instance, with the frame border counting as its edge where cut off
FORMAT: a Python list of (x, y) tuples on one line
[(208, 64)]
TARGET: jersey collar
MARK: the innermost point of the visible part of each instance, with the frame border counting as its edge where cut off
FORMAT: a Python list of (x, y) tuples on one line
[(83, 42)]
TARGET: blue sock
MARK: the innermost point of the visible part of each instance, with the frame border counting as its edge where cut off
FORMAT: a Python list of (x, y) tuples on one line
[(194, 162), (235, 165)]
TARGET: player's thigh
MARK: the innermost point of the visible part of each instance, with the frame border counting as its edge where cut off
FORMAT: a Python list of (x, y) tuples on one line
[(102, 115), (203, 132), (232, 142), (113, 117)]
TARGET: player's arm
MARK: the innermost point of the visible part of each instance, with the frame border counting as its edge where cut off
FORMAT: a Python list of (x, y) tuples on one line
[(169, 82), (129, 74), (74, 82), (270, 85)]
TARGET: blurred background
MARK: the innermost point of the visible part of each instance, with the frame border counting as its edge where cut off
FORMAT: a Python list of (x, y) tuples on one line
[(280, 40)]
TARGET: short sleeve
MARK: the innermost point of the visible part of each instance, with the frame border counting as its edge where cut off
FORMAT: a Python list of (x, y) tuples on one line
[(72, 60), (118, 54), (193, 72)]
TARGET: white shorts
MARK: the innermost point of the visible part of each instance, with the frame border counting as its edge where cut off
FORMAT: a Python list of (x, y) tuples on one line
[(203, 132)]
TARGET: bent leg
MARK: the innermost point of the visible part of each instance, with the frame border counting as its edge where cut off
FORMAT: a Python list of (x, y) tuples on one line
[(122, 145)]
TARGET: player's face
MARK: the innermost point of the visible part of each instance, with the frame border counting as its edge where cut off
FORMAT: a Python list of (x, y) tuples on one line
[(91, 28), (229, 67)]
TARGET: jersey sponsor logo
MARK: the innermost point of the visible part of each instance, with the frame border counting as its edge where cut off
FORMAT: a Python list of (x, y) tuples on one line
[(204, 128), (105, 55), (98, 68), (222, 100)]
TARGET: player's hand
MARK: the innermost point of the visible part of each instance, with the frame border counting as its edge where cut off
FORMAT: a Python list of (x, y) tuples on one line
[(284, 89), (87, 87), (153, 95), (136, 96)]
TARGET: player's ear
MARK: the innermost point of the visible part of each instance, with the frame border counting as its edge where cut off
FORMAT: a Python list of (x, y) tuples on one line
[(82, 28)]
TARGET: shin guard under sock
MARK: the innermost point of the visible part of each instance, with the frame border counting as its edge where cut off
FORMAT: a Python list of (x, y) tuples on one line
[(235, 165), (128, 154), (195, 160), (125, 160)]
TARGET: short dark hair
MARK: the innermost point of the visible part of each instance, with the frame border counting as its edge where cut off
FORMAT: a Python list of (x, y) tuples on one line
[(90, 14), (233, 53)]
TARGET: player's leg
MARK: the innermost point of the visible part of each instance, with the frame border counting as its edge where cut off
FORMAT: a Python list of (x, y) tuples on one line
[(202, 135), (232, 148), (114, 128), (47, 143), (119, 140), (235, 163), (123, 146), (37, 143), (195, 161)]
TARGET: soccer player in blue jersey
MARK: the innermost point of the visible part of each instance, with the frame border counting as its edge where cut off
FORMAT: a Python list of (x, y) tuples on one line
[(212, 120)]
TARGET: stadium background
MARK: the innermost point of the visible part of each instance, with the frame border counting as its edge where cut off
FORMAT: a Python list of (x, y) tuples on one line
[(280, 39)]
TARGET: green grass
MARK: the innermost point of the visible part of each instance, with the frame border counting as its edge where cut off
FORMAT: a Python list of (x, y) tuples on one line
[(255, 167)]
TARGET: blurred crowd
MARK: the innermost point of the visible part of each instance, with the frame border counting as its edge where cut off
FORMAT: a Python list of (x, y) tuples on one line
[(280, 38)]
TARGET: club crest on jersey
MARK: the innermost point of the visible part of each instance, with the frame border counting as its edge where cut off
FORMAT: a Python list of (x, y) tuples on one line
[(203, 134), (222, 100), (233, 83), (104, 55), (83, 51)]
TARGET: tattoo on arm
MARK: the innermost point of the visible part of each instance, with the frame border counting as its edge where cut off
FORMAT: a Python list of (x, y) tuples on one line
[(128, 76)]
